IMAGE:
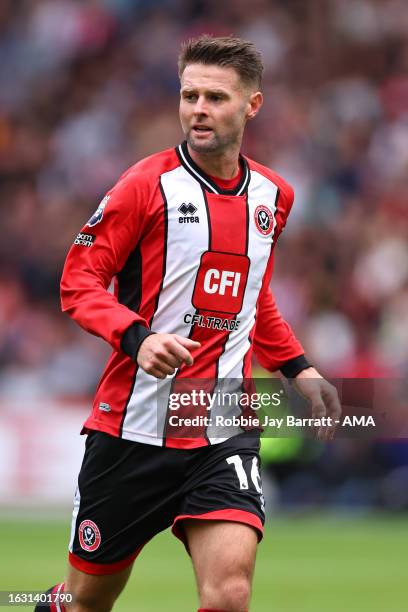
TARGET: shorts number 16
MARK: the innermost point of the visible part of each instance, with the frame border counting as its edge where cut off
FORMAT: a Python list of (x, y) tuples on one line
[(236, 461)]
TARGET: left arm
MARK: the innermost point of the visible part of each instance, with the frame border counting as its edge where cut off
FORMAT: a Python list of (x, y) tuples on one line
[(274, 342), (277, 348)]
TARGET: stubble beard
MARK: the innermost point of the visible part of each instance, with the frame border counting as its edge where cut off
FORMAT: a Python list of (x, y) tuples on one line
[(210, 146), (213, 145)]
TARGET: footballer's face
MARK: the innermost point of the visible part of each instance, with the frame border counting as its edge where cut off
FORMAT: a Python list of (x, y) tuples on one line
[(214, 107)]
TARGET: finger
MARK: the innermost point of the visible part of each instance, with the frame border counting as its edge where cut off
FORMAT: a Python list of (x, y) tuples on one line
[(333, 404), (318, 408), (332, 426), (163, 366), (325, 434), (173, 361), (168, 355), (180, 352), (188, 343), (330, 433), (168, 352), (334, 411), (158, 372), (158, 367)]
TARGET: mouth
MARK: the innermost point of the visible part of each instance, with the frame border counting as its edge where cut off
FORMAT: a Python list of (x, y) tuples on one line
[(201, 129)]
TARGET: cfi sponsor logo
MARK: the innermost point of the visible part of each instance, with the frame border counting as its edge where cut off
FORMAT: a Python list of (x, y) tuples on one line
[(98, 214), (89, 535), (188, 210), (85, 240), (220, 282), (263, 219)]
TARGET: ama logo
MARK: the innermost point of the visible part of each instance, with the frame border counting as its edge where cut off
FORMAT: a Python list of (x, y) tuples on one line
[(98, 214)]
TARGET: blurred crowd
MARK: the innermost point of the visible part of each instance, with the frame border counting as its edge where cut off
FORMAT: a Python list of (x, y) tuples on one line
[(89, 87), (349, 475)]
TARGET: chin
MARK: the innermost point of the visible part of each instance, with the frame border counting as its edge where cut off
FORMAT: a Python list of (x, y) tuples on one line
[(202, 147)]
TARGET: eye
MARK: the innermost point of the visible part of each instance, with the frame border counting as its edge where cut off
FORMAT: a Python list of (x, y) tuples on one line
[(215, 97), (190, 97)]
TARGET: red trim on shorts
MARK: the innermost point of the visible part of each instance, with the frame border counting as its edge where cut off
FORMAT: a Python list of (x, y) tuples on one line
[(186, 443), (102, 569), (228, 514)]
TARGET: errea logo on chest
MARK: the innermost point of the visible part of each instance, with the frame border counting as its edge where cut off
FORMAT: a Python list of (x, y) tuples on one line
[(188, 211)]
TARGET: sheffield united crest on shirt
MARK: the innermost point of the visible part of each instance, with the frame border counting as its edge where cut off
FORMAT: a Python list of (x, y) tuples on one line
[(264, 219), (98, 214), (89, 536)]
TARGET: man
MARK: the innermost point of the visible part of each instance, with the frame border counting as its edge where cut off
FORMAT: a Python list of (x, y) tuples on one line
[(188, 234)]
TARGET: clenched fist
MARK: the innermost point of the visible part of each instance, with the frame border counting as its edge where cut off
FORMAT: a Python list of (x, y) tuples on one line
[(161, 354)]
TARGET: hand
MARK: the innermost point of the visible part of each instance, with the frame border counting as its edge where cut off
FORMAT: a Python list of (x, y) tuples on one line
[(161, 354), (323, 397)]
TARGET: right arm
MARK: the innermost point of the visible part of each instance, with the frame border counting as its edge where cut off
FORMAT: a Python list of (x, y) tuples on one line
[(89, 268)]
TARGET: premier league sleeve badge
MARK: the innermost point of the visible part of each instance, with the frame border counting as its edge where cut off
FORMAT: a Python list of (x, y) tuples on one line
[(98, 214)]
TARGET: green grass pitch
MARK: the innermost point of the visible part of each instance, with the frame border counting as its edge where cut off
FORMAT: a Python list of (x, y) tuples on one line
[(305, 564)]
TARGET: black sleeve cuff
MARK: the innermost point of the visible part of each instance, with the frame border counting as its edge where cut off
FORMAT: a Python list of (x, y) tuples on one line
[(133, 338), (294, 366)]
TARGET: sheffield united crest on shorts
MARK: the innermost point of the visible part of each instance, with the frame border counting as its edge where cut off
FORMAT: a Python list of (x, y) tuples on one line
[(89, 536), (98, 214), (264, 219)]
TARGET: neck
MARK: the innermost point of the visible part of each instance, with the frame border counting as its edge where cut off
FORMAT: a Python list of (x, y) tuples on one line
[(223, 165)]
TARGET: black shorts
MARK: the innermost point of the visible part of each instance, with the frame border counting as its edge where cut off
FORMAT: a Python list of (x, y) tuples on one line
[(128, 492)]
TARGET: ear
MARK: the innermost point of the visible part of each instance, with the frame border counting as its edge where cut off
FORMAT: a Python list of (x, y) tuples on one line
[(254, 104)]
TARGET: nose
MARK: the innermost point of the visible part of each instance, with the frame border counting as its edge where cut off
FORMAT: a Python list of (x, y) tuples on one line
[(200, 107)]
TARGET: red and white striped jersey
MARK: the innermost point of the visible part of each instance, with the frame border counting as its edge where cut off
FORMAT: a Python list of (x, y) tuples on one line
[(188, 258)]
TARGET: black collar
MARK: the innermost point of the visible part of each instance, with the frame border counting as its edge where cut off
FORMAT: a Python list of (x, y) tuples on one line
[(206, 181)]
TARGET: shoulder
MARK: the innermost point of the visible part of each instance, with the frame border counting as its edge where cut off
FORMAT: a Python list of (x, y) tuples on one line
[(139, 186), (135, 192), (147, 171), (286, 193)]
